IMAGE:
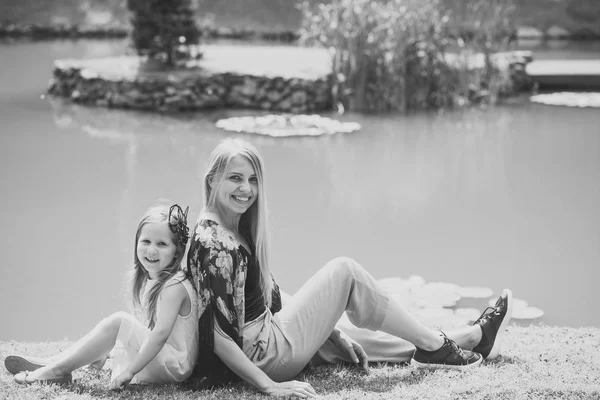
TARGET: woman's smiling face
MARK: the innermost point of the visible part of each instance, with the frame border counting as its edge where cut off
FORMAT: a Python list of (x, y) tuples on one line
[(238, 189)]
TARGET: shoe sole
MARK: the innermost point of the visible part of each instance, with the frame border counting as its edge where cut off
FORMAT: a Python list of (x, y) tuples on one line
[(495, 352), (66, 380), (417, 364), (17, 364)]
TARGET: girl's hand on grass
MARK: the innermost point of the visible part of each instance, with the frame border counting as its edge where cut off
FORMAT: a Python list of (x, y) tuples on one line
[(121, 381), (354, 350), (292, 388)]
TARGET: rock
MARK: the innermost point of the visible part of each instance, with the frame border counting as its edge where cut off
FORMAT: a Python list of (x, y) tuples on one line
[(273, 96), (529, 32), (557, 32), (285, 104), (299, 98), (249, 88)]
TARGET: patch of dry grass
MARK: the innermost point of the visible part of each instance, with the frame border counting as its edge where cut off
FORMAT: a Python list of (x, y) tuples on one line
[(538, 362)]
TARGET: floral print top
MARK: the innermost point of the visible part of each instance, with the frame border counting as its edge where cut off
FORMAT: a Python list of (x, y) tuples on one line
[(218, 265)]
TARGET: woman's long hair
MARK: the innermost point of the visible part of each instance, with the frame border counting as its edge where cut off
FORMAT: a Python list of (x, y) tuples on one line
[(254, 222), (139, 277)]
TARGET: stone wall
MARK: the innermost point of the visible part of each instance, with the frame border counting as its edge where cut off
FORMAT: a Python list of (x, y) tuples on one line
[(73, 31), (234, 77), (63, 31), (78, 81), (59, 31)]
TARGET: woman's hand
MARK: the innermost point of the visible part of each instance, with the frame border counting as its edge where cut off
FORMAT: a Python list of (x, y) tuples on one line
[(291, 388), (121, 381), (354, 350)]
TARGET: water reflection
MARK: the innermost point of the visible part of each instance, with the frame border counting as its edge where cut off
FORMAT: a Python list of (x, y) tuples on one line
[(561, 49), (506, 197), (453, 196)]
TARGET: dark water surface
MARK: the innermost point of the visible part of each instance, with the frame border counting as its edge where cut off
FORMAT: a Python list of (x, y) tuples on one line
[(508, 197)]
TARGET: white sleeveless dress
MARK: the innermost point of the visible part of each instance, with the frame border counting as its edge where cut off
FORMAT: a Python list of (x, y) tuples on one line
[(176, 360)]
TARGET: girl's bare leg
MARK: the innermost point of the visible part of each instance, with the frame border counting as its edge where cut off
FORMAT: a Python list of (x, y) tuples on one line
[(93, 346)]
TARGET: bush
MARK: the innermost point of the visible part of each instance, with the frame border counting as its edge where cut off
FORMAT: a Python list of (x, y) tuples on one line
[(163, 29), (585, 10), (409, 54)]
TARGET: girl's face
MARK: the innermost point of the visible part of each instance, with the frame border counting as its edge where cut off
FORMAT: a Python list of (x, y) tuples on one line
[(239, 187), (155, 248)]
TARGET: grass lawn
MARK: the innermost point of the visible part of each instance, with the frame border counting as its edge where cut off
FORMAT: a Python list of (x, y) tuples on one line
[(538, 362)]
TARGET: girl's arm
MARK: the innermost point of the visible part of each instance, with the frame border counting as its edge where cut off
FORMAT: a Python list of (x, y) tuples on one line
[(230, 353), (170, 301)]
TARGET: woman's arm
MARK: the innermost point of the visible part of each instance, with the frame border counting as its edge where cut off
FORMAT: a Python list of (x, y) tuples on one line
[(230, 353), (351, 347), (169, 303), (285, 298)]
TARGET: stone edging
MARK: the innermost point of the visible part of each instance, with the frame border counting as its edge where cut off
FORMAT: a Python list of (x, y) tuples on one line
[(38, 31), (225, 78), (41, 31), (78, 81)]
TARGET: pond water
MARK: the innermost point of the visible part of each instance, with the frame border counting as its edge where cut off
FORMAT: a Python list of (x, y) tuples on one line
[(506, 197)]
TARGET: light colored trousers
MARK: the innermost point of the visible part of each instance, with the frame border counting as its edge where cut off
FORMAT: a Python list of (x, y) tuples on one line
[(283, 344)]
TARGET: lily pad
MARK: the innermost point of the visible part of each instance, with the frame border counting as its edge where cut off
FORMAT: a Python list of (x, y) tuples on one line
[(475, 292), (517, 303), (415, 281), (442, 287), (568, 99), (437, 294), (470, 314), (527, 313), (439, 318), (287, 125), (432, 302), (522, 310), (399, 285)]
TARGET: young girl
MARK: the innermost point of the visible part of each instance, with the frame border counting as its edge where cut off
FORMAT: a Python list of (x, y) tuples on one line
[(164, 349)]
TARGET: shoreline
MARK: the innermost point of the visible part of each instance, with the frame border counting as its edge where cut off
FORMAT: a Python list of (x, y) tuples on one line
[(40, 32)]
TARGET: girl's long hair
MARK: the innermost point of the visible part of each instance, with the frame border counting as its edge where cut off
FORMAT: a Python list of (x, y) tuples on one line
[(139, 277), (254, 222)]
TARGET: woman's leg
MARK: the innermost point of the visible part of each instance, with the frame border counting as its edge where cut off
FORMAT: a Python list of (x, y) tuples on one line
[(93, 346), (383, 347), (344, 286)]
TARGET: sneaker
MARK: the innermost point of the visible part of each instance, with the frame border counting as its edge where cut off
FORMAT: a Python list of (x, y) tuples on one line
[(447, 356), (493, 323)]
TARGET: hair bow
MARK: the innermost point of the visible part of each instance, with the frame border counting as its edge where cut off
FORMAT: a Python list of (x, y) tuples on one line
[(178, 223)]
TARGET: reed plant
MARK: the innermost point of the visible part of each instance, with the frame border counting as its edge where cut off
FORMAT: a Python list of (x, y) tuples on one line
[(410, 54)]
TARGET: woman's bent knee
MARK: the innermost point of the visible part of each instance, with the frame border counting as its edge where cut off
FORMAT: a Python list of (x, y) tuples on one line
[(343, 266)]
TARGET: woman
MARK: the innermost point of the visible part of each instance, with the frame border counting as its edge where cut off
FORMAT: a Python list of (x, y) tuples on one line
[(243, 326)]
